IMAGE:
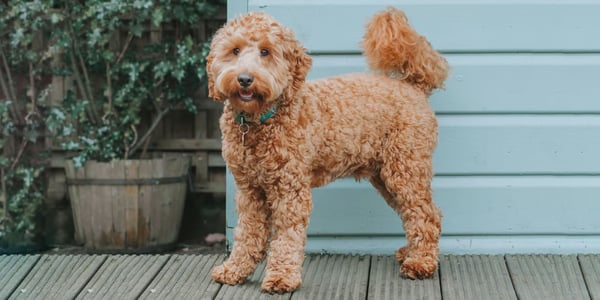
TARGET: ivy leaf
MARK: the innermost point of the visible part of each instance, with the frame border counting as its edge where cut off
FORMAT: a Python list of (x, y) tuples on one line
[(140, 4), (17, 37), (136, 30), (94, 37), (179, 12), (56, 17), (161, 69), (4, 161), (78, 162), (157, 16), (70, 145), (31, 134)]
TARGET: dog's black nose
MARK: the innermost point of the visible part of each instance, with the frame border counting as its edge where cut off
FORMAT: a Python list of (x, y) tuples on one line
[(245, 79)]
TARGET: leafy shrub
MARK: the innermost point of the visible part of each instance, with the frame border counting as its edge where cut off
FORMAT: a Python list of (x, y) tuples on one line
[(23, 103), (127, 64), (126, 58)]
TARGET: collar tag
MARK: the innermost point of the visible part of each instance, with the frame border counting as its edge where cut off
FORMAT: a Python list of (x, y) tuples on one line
[(243, 129)]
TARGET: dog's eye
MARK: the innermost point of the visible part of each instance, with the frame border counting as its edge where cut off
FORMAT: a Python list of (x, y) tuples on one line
[(236, 51), (264, 52)]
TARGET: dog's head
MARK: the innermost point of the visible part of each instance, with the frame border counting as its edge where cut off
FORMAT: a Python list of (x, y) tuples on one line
[(254, 61)]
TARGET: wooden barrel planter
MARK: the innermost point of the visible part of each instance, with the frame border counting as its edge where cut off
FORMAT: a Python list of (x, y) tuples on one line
[(128, 205)]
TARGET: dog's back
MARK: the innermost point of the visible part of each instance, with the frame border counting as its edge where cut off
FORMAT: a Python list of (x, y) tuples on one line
[(351, 117)]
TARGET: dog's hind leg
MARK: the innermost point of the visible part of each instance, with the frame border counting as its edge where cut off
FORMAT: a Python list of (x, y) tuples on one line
[(251, 236), (379, 185), (407, 181)]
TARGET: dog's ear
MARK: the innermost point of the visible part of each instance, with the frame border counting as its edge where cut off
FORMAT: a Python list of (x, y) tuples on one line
[(299, 63), (212, 92), (303, 62)]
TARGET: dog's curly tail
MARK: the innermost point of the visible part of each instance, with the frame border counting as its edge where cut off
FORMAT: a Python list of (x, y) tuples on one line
[(396, 49)]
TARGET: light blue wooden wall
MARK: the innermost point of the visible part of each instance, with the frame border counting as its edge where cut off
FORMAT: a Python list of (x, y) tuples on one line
[(518, 162)]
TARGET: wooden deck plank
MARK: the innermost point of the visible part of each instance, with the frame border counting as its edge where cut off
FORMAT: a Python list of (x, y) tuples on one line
[(250, 290), (185, 277), (123, 276), (14, 269), (475, 277), (58, 276), (547, 277), (386, 282), (590, 266), (334, 277)]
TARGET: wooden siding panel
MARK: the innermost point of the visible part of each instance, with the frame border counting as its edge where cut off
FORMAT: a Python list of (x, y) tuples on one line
[(501, 83), (530, 144), (458, 244), (451, 26), (471, 205), (496, 205)]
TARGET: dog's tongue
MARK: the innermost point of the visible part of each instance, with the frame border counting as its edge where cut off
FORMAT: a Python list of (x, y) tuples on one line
[(246, 95)]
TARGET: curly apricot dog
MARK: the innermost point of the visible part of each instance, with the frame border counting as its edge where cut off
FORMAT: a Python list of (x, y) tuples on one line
[(283, 135)]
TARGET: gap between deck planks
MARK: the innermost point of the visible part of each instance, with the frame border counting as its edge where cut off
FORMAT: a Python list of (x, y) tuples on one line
[(186, 276)]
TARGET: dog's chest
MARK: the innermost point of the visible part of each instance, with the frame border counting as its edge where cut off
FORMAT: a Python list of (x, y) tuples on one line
[(258, 156)]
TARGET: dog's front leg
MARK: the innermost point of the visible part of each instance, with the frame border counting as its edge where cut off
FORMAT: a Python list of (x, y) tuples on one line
[(291, 205), (250, 238)]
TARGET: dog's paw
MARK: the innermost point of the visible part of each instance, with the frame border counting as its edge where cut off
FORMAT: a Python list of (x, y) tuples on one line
[(419, 267), (402, 254), (280, 283), (227, 275)]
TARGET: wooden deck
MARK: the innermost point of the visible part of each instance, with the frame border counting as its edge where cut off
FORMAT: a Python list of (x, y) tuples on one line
[(187, 276)]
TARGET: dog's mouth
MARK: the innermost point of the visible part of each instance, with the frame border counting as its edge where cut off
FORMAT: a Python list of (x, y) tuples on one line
[(246, 95)]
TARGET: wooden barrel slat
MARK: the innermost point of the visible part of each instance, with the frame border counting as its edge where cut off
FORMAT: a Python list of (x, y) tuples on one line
[(130, 181)]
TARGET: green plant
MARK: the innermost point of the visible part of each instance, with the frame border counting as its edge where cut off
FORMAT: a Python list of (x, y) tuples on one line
[(125, 64), (23, 211), (23, 102), (128, 60), (20, 180)]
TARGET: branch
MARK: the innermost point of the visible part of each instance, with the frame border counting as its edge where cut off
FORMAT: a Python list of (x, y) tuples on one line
[(83, 83), (82, 90), (32, 89), (77, 76), (7, 94), (3, 198), (11, 84), (109, 91), (122, 54), (145, 148), (87, 83), (19, 154), (8, 91), (148, 133)]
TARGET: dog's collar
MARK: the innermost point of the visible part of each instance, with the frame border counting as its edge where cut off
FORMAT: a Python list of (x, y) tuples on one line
[(241, 117)]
